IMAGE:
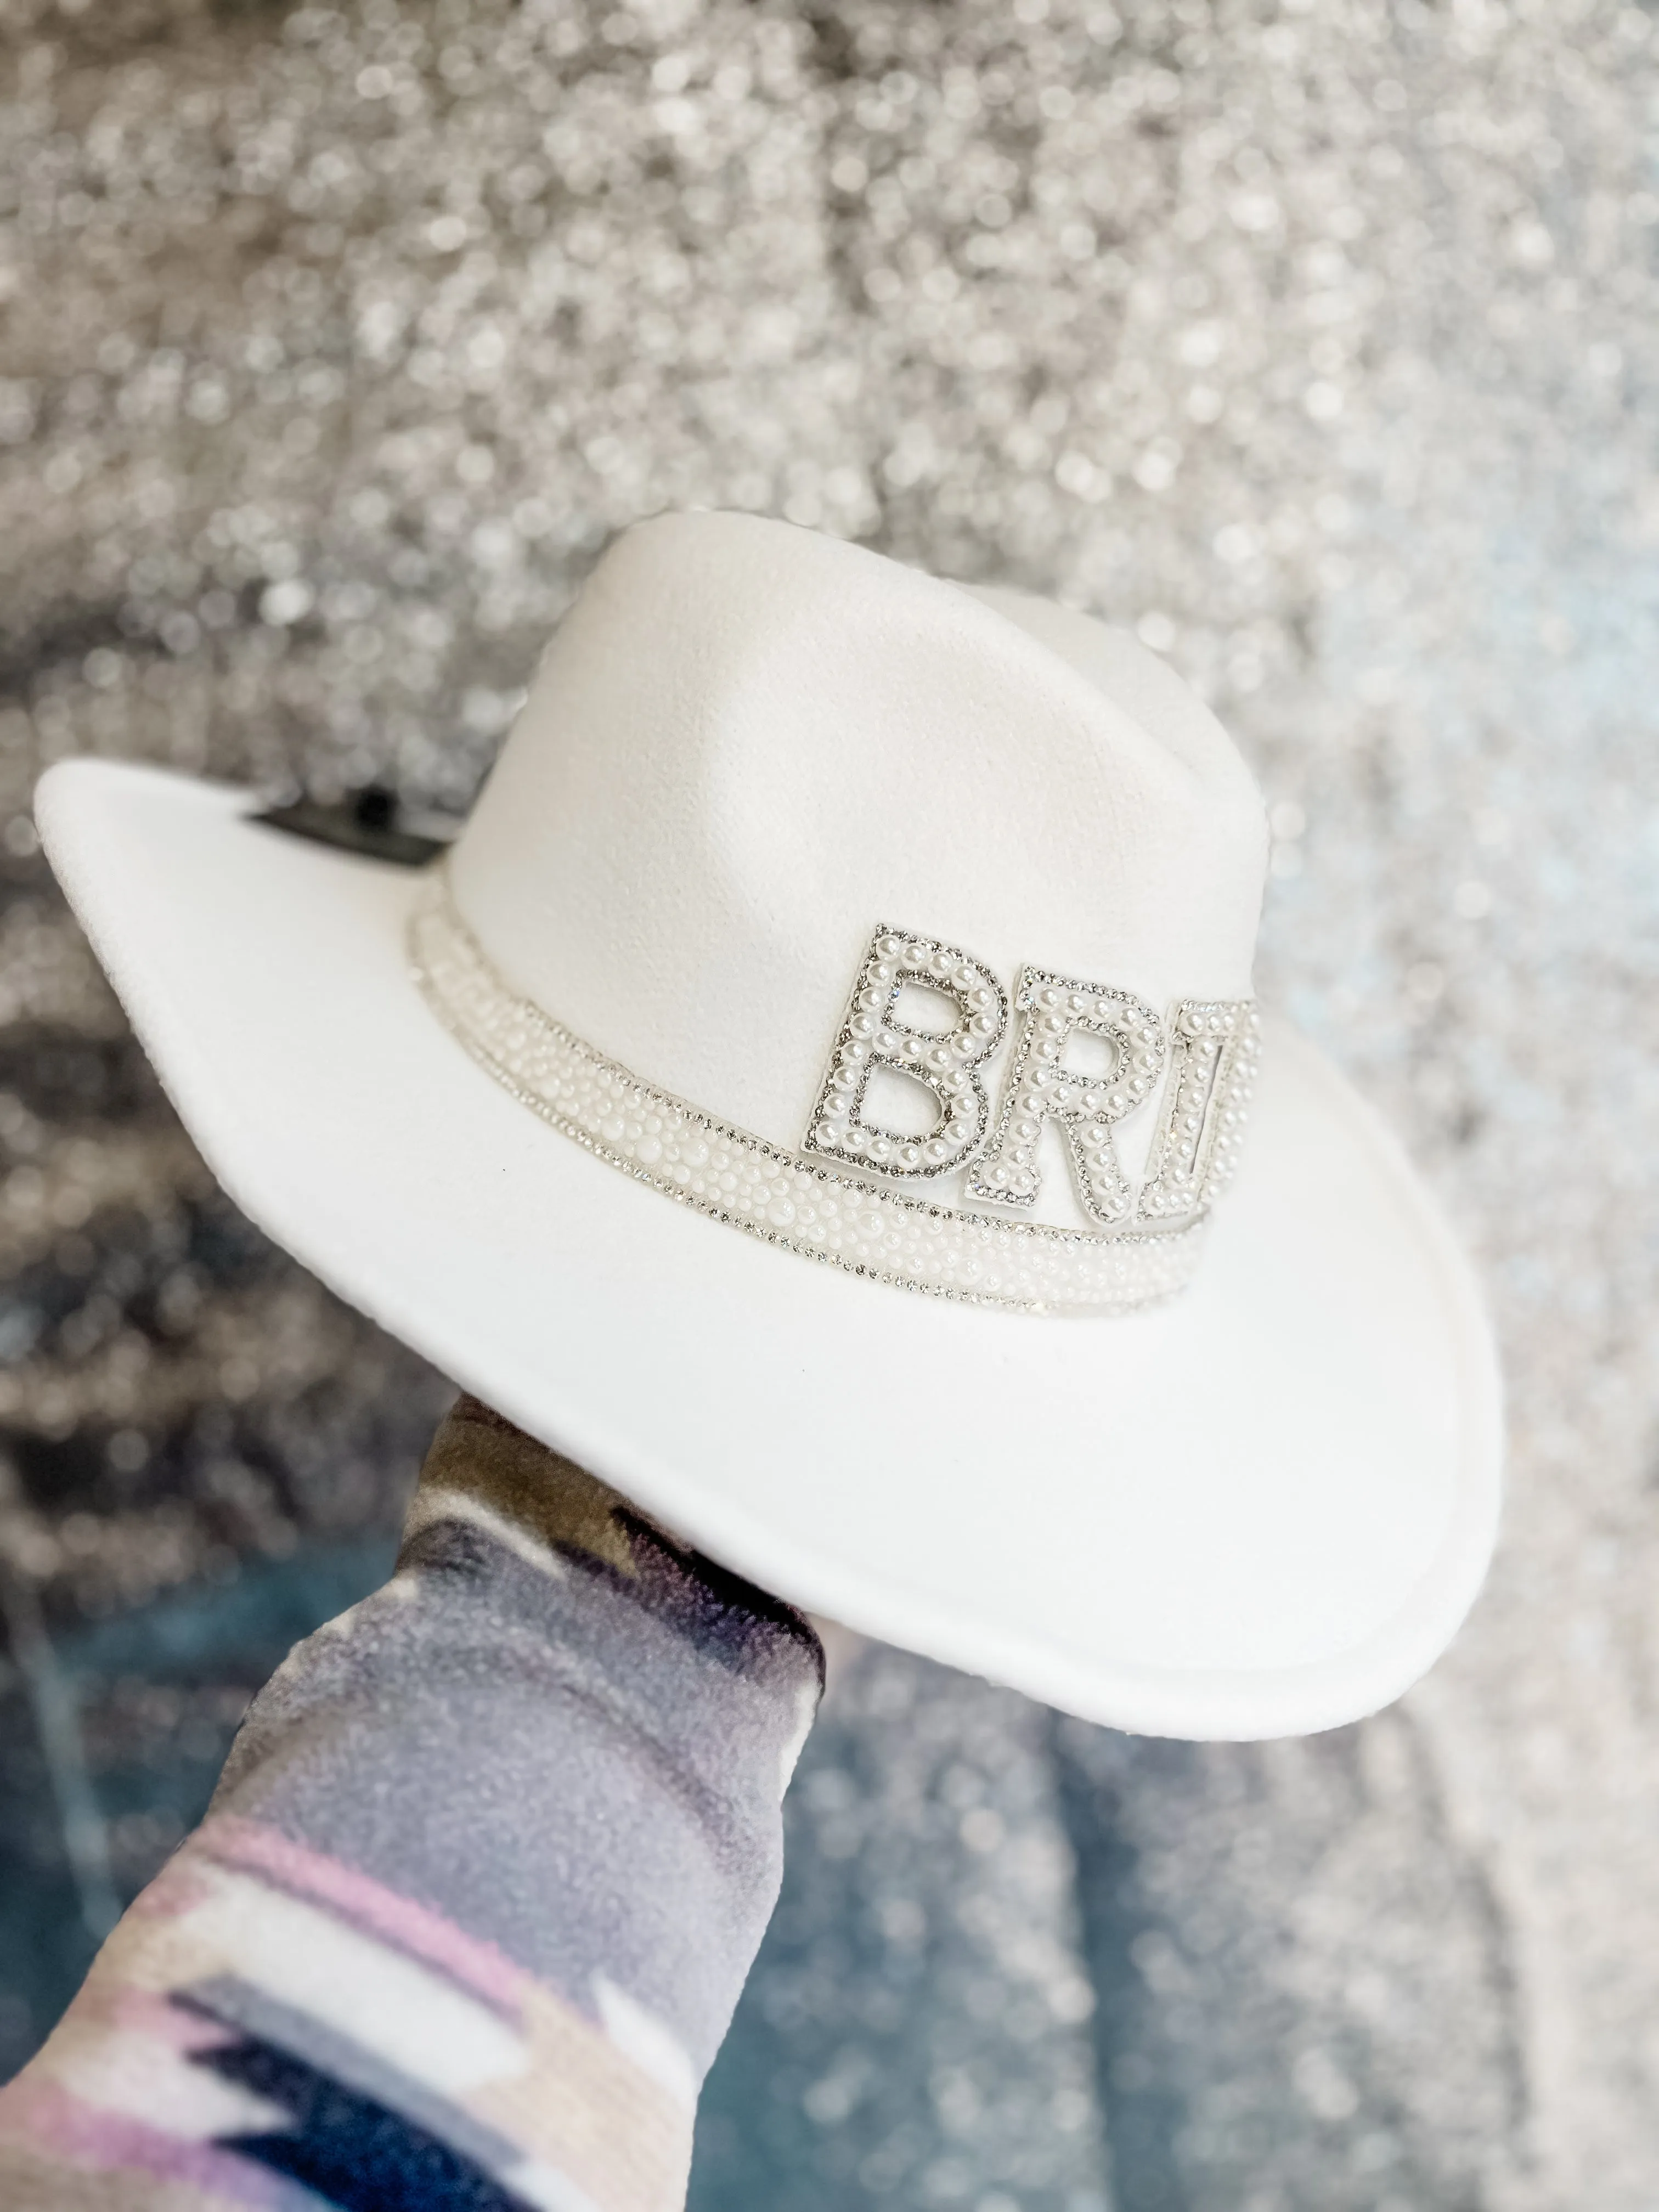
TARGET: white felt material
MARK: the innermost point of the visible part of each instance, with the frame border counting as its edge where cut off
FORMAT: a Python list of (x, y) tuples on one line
[(748, 745), (1262, 1510)]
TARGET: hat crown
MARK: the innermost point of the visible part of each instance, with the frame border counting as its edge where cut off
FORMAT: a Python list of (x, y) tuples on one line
[(748, 745)]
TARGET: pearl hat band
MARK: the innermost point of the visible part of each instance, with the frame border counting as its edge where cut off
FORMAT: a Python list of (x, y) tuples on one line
[(781, 1196)]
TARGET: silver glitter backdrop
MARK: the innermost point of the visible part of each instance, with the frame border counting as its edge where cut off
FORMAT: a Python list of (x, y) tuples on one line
[(1316, 340)]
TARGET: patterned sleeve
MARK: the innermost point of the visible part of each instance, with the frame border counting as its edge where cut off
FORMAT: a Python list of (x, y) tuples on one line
[(471, 1909)]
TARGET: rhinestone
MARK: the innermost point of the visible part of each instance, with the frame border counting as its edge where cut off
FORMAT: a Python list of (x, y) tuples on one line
[(1084, 1107), (947, 1065), (1210, 1083)]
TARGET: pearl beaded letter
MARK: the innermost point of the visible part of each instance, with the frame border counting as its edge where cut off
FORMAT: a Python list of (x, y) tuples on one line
[(1039, 1087), (872, 1037), (1214, 1046)]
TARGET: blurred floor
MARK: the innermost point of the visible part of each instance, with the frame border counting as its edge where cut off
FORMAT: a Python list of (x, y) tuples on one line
[(1316, 341)]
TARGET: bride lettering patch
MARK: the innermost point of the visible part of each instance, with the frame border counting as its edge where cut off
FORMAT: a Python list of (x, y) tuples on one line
[(1086, 1057)]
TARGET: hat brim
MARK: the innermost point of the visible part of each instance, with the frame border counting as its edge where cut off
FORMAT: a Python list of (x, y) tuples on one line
[(1262, 1510)]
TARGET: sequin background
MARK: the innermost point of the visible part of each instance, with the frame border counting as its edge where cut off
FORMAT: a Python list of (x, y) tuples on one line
[(1315, 340)]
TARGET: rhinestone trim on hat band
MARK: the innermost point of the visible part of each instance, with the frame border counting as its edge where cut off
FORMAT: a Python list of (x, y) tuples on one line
[(764, 1188)]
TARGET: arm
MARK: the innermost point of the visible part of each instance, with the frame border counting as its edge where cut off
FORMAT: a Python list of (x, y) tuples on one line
[(472, 1905)]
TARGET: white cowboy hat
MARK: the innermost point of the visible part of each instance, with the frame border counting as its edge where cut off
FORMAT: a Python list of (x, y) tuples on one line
[(902, 933)]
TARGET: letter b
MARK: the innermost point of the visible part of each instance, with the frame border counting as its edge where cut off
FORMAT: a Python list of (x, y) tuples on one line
[(873, 1036)]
